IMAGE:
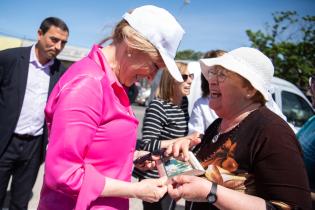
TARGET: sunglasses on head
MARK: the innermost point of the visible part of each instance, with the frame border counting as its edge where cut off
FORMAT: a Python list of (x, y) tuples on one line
[(185, 76)]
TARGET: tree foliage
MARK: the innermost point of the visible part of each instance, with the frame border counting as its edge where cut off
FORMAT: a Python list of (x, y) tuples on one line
[(290, 43), (188, 55)]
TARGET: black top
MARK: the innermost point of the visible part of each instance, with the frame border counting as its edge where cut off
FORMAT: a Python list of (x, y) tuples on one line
[(260, 157), (163, 120)]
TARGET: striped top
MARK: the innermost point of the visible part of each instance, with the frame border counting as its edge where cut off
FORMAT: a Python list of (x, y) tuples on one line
[(162, 121)]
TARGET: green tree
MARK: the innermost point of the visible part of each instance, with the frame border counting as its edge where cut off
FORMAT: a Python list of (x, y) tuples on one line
[(290, 43), (188, 55)]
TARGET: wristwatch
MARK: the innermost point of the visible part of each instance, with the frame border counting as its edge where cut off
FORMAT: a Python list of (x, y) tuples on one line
[(212, 196)]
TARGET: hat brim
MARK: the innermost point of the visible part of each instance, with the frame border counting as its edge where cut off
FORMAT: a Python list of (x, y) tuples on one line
[(171, 66), (230, 63)]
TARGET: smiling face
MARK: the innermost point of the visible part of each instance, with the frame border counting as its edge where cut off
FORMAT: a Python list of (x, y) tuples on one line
[(183, 88), (137, 65), (50, 44), (170, 89), (228, 94)]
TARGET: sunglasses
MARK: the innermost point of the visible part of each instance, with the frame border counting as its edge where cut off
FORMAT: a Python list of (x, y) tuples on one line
[(185, 76)]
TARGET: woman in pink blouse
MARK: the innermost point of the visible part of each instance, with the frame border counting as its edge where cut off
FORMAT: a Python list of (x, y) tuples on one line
[(92, 129)]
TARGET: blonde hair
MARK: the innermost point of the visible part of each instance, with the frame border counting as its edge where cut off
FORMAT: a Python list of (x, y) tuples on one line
[(167, 83), (123, 32)]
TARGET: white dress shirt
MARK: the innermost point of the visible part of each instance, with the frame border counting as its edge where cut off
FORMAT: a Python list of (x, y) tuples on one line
[(195, 90), (201, 116), (31, 120)]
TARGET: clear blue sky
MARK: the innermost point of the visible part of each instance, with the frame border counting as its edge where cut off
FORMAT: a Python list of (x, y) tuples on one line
[(209, 24)]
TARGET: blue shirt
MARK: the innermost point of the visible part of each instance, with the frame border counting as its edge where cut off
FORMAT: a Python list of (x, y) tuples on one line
[(306, 136)]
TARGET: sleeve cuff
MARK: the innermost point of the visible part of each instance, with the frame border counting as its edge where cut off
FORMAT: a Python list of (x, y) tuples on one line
[(91, 188)]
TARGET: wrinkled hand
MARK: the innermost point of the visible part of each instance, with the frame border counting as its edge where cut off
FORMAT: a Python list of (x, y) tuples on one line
[(151, 190), (190, 188), (147, 165), (180, 148)]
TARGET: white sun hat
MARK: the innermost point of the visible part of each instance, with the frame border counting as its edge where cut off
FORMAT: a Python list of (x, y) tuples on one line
[(159, 27), (249, 63)]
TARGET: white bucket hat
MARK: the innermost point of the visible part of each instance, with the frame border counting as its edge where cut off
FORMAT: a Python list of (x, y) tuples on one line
[(249, 63), (160, 28)]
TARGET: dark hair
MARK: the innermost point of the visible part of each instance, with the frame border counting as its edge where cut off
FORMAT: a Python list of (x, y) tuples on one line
[(213, 53), (204, 86), (204, 83), (53, 21)]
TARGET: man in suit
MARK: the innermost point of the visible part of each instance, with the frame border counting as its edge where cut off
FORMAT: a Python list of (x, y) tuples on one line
[(27, 75)]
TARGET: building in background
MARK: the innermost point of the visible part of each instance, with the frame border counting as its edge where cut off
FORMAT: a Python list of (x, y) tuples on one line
[(68, 55)]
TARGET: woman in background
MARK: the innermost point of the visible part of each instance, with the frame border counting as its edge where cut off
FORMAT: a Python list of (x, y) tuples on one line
[(165, 120), (202, 115), (306, 137)]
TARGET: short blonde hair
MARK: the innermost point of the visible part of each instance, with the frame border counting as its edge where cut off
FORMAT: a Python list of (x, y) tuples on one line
[(123, 32), (166, 87)]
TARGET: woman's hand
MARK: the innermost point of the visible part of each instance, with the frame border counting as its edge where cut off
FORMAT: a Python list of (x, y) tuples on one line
[(150, 190), (190, 188), (146, 165), (193, 188), (180, 147)]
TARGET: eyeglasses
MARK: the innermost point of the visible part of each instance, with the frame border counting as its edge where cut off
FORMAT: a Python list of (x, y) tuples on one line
[(185, 76), (220, 74)]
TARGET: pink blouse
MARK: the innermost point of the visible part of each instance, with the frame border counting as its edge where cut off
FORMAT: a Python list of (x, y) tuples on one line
[(92, 135)]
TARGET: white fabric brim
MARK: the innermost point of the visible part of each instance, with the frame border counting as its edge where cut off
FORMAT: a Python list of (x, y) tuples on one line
[(230, 63), (171, 66), (135, 22)]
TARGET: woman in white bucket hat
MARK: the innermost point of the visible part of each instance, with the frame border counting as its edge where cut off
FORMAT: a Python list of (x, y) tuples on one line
[(92, 129), (251, 156)]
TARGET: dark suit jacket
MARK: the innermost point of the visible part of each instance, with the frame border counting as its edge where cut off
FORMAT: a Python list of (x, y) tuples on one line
[(14, 65)]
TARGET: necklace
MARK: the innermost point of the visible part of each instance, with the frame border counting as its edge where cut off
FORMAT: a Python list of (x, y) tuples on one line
[(216, 137)]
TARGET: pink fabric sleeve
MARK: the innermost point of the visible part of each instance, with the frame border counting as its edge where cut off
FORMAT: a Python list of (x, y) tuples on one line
[(77, 112)]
